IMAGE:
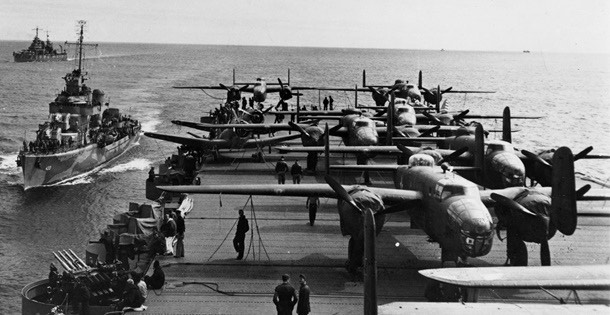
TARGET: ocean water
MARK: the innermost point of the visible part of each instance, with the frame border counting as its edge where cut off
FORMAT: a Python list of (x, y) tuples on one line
[(571, 91)]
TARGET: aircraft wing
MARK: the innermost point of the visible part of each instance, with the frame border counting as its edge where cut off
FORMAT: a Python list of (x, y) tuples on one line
[(307, 113), (190, 141), (467, 92), (256, 143), (342, 149), (389, 167), (200, 87), (397, 308), (373, 149), (390, 196), (258, 127), (587, 277), (248, 89)]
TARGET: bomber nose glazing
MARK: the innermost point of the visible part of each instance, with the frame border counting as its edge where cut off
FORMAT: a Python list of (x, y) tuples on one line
[(475, 225)]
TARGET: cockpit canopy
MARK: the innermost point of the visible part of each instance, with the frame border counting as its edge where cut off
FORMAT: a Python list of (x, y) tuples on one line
[(421, 160), (445, 189), (404, 109), (499, 146), (361, 123)]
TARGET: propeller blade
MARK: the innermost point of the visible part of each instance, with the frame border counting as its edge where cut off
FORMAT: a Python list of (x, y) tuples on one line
[(224, 86), (281, 84), (392, 209), (453, 155), (432, 118), (511, 204), (404, 149), (536, 158), (267, 110), (241, 89), (335, 128), (447, 90), (194, 135), (430, 131), (583, 153), (582, 191), (376, 92), (341, 192), (461, 115), (299, 129), (400, 133), (545, 253)]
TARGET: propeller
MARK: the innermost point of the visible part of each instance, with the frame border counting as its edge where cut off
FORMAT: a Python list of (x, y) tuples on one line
[(285, 92), (511, 204), (536, 158), (341, 192), (582, 191), (335, 128), (400, 133), (542, 223), (430, 131), (453, 155), (267, 110), (583, 153), (406, 151), (432, 118), (233, 93), (460, 116), (299, 129)]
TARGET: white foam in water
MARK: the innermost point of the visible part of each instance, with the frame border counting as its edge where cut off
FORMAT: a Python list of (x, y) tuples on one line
[(151, 125), (134, 165), (8, 164)]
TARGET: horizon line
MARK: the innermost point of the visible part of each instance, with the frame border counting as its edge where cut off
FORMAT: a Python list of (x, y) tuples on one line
[(338, 47)]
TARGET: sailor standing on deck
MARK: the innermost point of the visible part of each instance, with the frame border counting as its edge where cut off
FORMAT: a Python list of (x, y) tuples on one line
[(169, 231), (285, 297), (180, 228), (297, 172), (303, 307), (240, 235), (281, 168)]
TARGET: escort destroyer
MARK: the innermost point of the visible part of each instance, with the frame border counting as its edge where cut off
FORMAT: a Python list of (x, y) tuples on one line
[(82, 133)]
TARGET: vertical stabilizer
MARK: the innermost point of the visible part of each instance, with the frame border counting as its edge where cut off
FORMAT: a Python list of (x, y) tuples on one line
[(563, 196), (479, 151), (506, 125), (390, 120), (363, 78), (370, 264), (326, 150)]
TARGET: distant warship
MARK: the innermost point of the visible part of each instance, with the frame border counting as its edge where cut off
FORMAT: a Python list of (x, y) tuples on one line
[(82, 133), (40, 50)]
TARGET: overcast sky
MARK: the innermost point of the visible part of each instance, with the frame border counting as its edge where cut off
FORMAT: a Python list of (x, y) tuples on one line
[(500, 25)]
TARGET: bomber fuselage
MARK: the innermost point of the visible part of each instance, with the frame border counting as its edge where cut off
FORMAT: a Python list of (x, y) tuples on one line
[(452, 212)]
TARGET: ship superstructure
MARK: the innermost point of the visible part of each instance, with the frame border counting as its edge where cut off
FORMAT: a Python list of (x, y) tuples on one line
[(41, 50)]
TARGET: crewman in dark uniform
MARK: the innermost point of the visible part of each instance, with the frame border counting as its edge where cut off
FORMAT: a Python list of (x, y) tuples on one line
[(297, 172), (303, 307), (281, 168), (240, 235), (285, 297)]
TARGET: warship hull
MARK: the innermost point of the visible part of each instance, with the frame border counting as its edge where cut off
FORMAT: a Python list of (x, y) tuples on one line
[(20, 57), (49, 169)]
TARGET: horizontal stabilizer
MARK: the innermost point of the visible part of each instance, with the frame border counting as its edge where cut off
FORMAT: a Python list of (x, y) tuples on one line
[(588, 277)]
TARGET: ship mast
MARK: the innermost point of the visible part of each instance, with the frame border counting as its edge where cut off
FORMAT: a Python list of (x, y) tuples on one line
[(80, 44)]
